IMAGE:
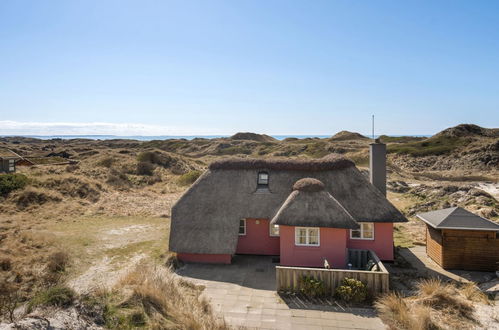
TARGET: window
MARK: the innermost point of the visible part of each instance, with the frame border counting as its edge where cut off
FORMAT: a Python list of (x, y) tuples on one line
[(274, 230), (366, 231), (263, 179), (242, 227), (11, 165), (307, 236)]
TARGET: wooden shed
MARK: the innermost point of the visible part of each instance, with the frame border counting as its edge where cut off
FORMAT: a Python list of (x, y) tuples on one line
[(459, 239), (8, 160)]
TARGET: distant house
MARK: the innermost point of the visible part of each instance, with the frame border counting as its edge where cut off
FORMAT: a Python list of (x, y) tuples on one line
[(8, 160), (305, 211), (459, 239)]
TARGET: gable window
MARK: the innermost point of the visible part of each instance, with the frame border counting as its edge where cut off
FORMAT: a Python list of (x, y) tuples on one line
[(263, 179), (306, 236), (274, 230), (242, 227), (366, 231)]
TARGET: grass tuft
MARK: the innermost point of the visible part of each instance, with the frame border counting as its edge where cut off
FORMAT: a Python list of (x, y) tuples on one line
[(188, 178), (435, 305), (153, 296), (59, 296)]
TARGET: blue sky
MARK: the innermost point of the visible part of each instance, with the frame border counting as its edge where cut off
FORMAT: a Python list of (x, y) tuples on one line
[(275, 67)]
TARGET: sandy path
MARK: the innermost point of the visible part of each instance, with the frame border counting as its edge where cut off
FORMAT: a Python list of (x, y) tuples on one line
[(105, 271)]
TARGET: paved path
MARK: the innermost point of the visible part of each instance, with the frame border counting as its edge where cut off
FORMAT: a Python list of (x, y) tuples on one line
[(418, 258), (244, 293)]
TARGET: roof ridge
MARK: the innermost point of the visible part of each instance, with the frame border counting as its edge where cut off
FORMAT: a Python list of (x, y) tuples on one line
[(329, 162)]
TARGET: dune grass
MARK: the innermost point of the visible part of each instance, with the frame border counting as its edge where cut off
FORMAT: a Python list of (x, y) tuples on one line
[(435, 305), (153, 297), (436, 145)]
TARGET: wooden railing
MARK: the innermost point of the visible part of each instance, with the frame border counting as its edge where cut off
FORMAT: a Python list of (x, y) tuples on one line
[(377, 281)]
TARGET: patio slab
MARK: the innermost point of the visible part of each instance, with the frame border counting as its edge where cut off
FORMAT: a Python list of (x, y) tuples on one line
[(418, 258), (244, 294)]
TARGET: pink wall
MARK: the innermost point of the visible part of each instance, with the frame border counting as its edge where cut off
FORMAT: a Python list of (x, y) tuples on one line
[(205, 258), (382, 244), (257, 239), (332, 247)]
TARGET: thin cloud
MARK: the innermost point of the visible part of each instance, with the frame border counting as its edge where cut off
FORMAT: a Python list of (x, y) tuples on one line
[(121, 129)]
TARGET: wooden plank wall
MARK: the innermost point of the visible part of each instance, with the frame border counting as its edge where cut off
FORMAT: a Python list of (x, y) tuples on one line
[(470, 250), (288, 278), (434, 244)]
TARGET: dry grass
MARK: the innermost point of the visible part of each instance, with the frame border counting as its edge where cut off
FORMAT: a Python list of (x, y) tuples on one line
[(436, 305), (154, 297)]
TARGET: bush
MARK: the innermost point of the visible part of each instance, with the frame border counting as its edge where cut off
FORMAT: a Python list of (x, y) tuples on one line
[(156, 157), (35, 197), (312, 287), (10, 182), (145, 168), (57, 262), (106, 162), (117, 179), (5, 264), (188, 178), (9, 301), (55, 296), (352, 290)]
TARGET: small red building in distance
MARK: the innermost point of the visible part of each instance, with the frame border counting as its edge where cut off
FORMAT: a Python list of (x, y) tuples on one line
[(305, 211)]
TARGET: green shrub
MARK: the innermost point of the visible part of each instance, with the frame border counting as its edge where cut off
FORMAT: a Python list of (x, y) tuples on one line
[(55, 296), (352, 290), (10, 182), (145, 168), (312, 287), (188, 178)]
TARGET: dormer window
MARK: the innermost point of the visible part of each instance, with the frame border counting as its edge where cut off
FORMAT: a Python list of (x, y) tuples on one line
[(263, 180)]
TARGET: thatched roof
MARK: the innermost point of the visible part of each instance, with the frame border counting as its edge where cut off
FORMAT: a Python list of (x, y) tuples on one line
[(206, 218), (328, 163), (310, 205)]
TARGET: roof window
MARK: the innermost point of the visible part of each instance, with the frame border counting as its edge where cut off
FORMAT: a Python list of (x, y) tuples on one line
[(263, 180)]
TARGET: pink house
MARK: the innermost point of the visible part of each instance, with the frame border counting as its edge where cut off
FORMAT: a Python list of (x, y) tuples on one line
[(304, 211)]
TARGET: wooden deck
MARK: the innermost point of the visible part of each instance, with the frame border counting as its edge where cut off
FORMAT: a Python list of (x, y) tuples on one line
[(288, 278)]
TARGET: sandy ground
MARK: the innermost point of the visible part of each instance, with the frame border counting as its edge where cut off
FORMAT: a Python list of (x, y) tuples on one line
[(491, 188), (115, 251)]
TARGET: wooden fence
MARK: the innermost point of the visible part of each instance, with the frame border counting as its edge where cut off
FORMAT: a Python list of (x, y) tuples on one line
[(288, 278)]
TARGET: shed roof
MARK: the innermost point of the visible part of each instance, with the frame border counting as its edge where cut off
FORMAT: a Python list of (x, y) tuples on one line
[(457, 218), (9, 154), (310, 205)]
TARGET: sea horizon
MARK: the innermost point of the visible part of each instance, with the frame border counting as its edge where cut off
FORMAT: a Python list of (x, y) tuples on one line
[(174, 137)]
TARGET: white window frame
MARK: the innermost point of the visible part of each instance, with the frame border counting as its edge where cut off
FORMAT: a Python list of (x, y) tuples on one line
[(267, 180), (307, 237), (244, 221), (270, 231), (362, 231)]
